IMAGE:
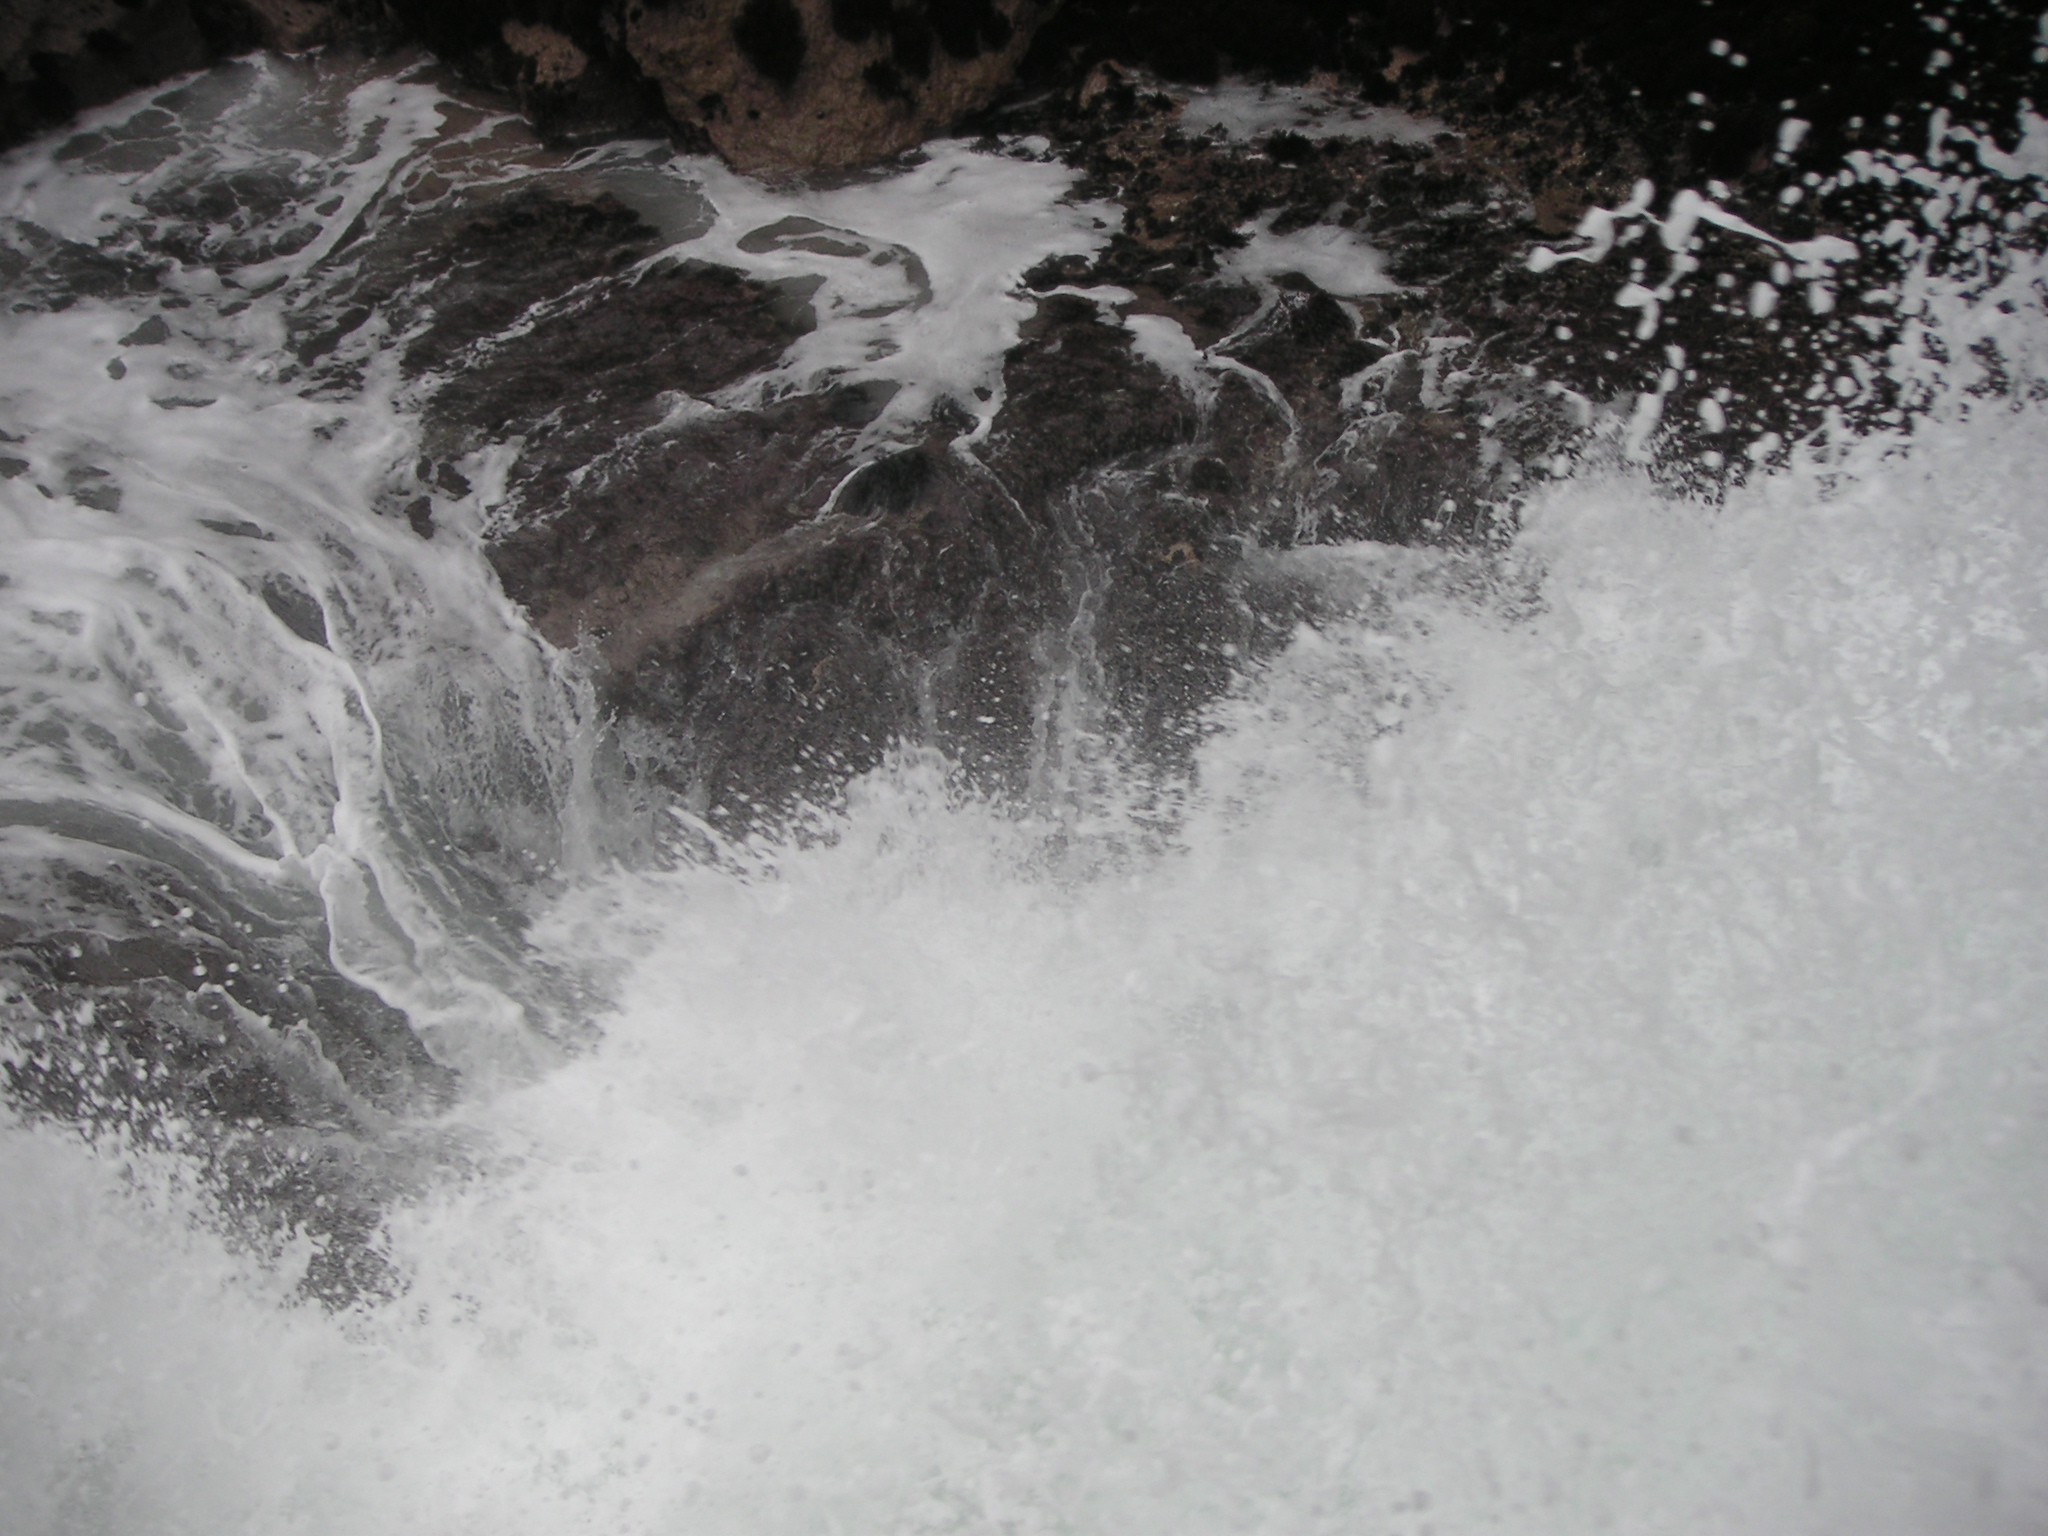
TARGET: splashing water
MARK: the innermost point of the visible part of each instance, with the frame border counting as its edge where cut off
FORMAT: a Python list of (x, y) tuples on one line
[(1574, 1063), (213, 645)]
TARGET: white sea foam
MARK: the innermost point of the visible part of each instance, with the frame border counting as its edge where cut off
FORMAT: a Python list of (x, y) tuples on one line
[(330, 129), (1245, 111), (1337, 260), (1570, 1071), (922, 277), (166, 483)]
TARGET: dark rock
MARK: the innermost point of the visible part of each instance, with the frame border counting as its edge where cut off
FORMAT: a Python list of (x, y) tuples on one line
[(58, 56), (600, 367), (238, 528), (887, 487), (790, 84), (651, 545), (1076, 398), (1557, 73), (830, 644), (151, 333), (775, 647), (296, 608), (771, 621), (91, 486)]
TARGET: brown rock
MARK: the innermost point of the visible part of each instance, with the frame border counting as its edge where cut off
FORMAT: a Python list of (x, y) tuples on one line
[(556, 60), (813, 84)]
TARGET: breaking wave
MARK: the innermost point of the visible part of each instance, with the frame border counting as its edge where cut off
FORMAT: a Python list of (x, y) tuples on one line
[(1568, 1056)]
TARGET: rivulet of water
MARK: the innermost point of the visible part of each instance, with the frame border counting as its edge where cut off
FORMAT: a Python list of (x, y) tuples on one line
[(1573, 1059)]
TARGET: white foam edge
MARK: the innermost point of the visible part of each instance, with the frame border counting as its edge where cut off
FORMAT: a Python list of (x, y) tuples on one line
[(930, 294)]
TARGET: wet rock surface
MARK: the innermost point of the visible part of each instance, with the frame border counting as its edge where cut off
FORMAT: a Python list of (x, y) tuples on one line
[(57, 56), (770, 621), (60, 57), (802, 84)]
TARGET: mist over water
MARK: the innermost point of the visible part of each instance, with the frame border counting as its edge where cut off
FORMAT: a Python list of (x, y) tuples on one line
[(1570, 1056)]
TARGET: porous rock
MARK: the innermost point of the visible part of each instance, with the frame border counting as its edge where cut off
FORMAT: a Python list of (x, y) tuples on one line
[(824, 84)]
